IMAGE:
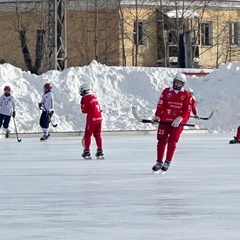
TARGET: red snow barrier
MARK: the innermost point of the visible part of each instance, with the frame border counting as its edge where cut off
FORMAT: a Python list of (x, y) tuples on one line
[(201, 73)]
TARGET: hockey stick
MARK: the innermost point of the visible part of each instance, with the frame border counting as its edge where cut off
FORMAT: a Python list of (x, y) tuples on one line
[(205, 118), (54, 125), (44, 109), (134, 111), (19, 140)]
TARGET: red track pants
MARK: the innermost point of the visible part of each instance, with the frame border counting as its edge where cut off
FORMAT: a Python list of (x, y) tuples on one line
[(167, 135), (95, 130)]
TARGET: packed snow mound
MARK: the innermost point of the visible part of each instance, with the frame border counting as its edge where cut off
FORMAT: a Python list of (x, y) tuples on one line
[(118, 89)]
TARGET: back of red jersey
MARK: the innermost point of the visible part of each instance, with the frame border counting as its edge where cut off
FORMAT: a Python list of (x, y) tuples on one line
[(91, 107)]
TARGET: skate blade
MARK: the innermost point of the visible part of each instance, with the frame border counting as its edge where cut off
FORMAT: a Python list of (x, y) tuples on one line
[(101, 157), (87, 158), (159, 172), (44, 140)]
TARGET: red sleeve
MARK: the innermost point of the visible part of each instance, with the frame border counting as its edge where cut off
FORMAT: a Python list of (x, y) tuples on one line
[(84, 105), (194, 106), (161, 102), (186, 110)]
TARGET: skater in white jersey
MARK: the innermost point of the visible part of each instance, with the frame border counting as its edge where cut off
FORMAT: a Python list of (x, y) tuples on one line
[(7, 109), (46, 105)]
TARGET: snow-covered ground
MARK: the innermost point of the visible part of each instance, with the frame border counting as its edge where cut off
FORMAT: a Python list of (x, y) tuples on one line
[(49, 192), (119, 88)]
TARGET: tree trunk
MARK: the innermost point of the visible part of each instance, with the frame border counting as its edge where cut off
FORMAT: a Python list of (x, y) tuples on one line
[(39, 51), (25, 51), (122, 30)]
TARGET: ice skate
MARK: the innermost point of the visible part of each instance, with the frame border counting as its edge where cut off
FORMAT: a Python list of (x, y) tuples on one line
[(157, 167), (165, 166), (235, 140), (44, 138), (99, 154), (7, 133), (86, 155)]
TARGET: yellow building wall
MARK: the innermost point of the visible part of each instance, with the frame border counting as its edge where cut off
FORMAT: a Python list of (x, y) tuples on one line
[(10, 46), (91, 36), (83, 45), (212, 56), (146, 53)]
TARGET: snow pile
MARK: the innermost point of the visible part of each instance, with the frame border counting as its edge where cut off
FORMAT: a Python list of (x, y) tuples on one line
[(117, 89)]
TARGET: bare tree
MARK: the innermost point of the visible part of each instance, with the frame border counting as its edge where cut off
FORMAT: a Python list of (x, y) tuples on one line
[(162, 39), (96, 25), (22, 25), (122, 32), (179, 31), (138, 30), (227, 37)]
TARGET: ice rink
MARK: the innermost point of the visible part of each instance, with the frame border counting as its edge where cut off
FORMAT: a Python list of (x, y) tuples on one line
[(49, 192)]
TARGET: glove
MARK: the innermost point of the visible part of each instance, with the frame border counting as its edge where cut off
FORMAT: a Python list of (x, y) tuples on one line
[(40, 105), (13, 114), (177, 122), (196, 116), (155, 119)]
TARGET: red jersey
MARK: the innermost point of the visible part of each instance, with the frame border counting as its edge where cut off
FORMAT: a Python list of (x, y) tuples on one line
[(91, 107), (193, 105), (172, 104)]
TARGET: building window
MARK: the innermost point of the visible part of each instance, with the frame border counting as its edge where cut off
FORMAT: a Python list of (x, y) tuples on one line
[(171, 37), (139, 33), (234, 33), (206, 34)]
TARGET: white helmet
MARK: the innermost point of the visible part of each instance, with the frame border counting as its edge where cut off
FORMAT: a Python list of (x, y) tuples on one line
[(190, 90), (181, 77), (84, 89)]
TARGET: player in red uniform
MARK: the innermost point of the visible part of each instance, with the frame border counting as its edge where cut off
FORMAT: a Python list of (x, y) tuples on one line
[(237, 138), (174, 108), (91, 107), (193, 104)]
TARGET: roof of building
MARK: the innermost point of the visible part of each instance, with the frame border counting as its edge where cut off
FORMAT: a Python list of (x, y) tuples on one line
[(10, 5), (91, 4), (192, 3)]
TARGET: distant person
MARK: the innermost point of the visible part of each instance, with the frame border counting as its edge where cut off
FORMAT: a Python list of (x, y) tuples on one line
[(174, 108), (193, 104), (237, 138), (91, 107), (7, 109), (46, 105)]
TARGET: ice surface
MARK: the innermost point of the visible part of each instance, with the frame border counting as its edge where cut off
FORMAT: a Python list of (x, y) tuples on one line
[(49, 192)]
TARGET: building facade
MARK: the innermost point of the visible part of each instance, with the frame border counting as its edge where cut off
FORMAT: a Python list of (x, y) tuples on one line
[(130, 33), (189, 34)]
